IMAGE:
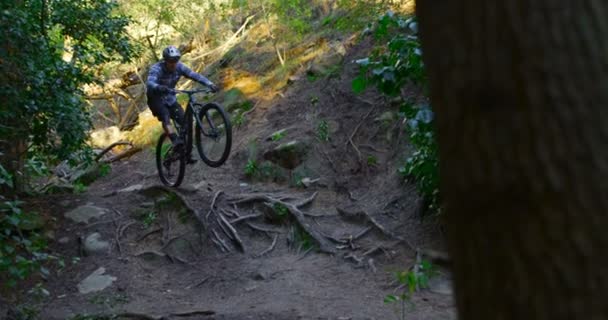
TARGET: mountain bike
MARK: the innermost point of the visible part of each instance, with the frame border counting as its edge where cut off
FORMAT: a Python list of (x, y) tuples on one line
[(212, 135)]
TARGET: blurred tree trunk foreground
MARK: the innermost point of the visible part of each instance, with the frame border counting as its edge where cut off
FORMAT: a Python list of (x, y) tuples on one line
[(520, 90)]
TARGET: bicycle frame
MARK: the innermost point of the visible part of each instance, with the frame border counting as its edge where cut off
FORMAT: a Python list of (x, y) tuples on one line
[(186, 131)]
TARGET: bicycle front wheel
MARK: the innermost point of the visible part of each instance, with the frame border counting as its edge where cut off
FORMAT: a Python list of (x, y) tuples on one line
[(171, 163), (213, 134)]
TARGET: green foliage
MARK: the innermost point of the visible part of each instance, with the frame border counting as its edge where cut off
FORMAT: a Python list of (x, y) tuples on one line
[(280, 210), (314, 100), (302, 239), (296, 15), (79, 187), (396, 64), (390, 68), (21, 249), (148, 219), (411, 281), (49, 50), (323, 131), (251, 168), (423, 164), (104, 169), (372, 160), (238, 119), (109, 301), (278, 135)]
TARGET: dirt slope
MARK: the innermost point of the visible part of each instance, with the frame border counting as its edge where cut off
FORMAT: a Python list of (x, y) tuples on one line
[(169, 265)]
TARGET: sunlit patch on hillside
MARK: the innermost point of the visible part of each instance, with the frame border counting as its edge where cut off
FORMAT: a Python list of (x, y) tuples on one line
[(146, 132), (247, 83), (104, 137)]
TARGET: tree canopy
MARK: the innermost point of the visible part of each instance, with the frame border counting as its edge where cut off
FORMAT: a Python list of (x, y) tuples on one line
[(49, 49)]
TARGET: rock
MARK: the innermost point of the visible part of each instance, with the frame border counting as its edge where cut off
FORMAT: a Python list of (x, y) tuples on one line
[(260, 276), (96, 282), (387, 116), (94, 244), (64, 240), (85, 213), (133, 188), (146, 205), (307, 182), (323, 65), (65, 203), (179, 248), (293, 79), (151, 255), (288, 155), (441, 285), (50, 235)]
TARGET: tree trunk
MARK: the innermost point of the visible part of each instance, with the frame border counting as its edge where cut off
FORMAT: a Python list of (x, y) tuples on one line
[(14, 162), (520, 90)]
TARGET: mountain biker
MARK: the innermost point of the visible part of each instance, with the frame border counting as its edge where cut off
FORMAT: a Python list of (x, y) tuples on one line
[(162, 78)]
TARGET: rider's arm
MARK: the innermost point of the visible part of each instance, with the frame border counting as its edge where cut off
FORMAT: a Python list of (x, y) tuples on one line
[(188, 73), (153, 74)]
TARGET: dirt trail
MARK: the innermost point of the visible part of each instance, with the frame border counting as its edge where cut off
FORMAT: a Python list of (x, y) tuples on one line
[(168, 264)]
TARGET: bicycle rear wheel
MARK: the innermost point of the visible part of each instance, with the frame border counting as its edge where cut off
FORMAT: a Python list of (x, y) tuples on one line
[(213, 134), (171, 163)]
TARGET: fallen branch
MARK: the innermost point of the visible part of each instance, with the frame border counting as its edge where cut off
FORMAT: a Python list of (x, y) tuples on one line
[(126, 154), (144, 316), (228, 42), (274, 242)]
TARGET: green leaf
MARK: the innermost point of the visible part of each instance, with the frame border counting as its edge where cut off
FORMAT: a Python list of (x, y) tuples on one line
[(359, 84), (390, 299)]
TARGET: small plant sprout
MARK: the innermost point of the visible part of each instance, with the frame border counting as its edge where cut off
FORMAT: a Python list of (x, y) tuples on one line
[(323, 131), (278, 135), (251, 168)]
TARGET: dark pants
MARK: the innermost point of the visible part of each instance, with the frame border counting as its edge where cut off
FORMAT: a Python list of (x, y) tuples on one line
[(164, 113)]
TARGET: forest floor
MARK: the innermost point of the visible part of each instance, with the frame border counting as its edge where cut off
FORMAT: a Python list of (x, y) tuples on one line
[(168, 254)]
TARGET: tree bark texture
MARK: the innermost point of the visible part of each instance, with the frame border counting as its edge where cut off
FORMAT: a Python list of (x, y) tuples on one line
[(520, 90)]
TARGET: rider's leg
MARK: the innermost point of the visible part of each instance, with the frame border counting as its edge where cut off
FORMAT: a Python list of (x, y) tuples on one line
[(177, 114), (163, 114)]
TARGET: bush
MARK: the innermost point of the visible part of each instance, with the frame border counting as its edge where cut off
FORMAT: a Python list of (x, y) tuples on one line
[(390, 68)]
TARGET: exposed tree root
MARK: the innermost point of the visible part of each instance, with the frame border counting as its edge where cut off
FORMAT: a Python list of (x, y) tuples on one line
[(293, 209), (274, 242)]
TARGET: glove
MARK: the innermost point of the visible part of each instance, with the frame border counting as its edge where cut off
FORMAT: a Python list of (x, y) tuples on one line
[(163, 89), (213, 88)]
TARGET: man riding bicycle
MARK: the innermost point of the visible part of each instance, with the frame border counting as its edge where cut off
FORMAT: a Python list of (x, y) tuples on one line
[(162, 78)]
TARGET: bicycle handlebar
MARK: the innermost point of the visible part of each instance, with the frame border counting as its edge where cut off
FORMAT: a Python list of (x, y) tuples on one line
[(190, 92)]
